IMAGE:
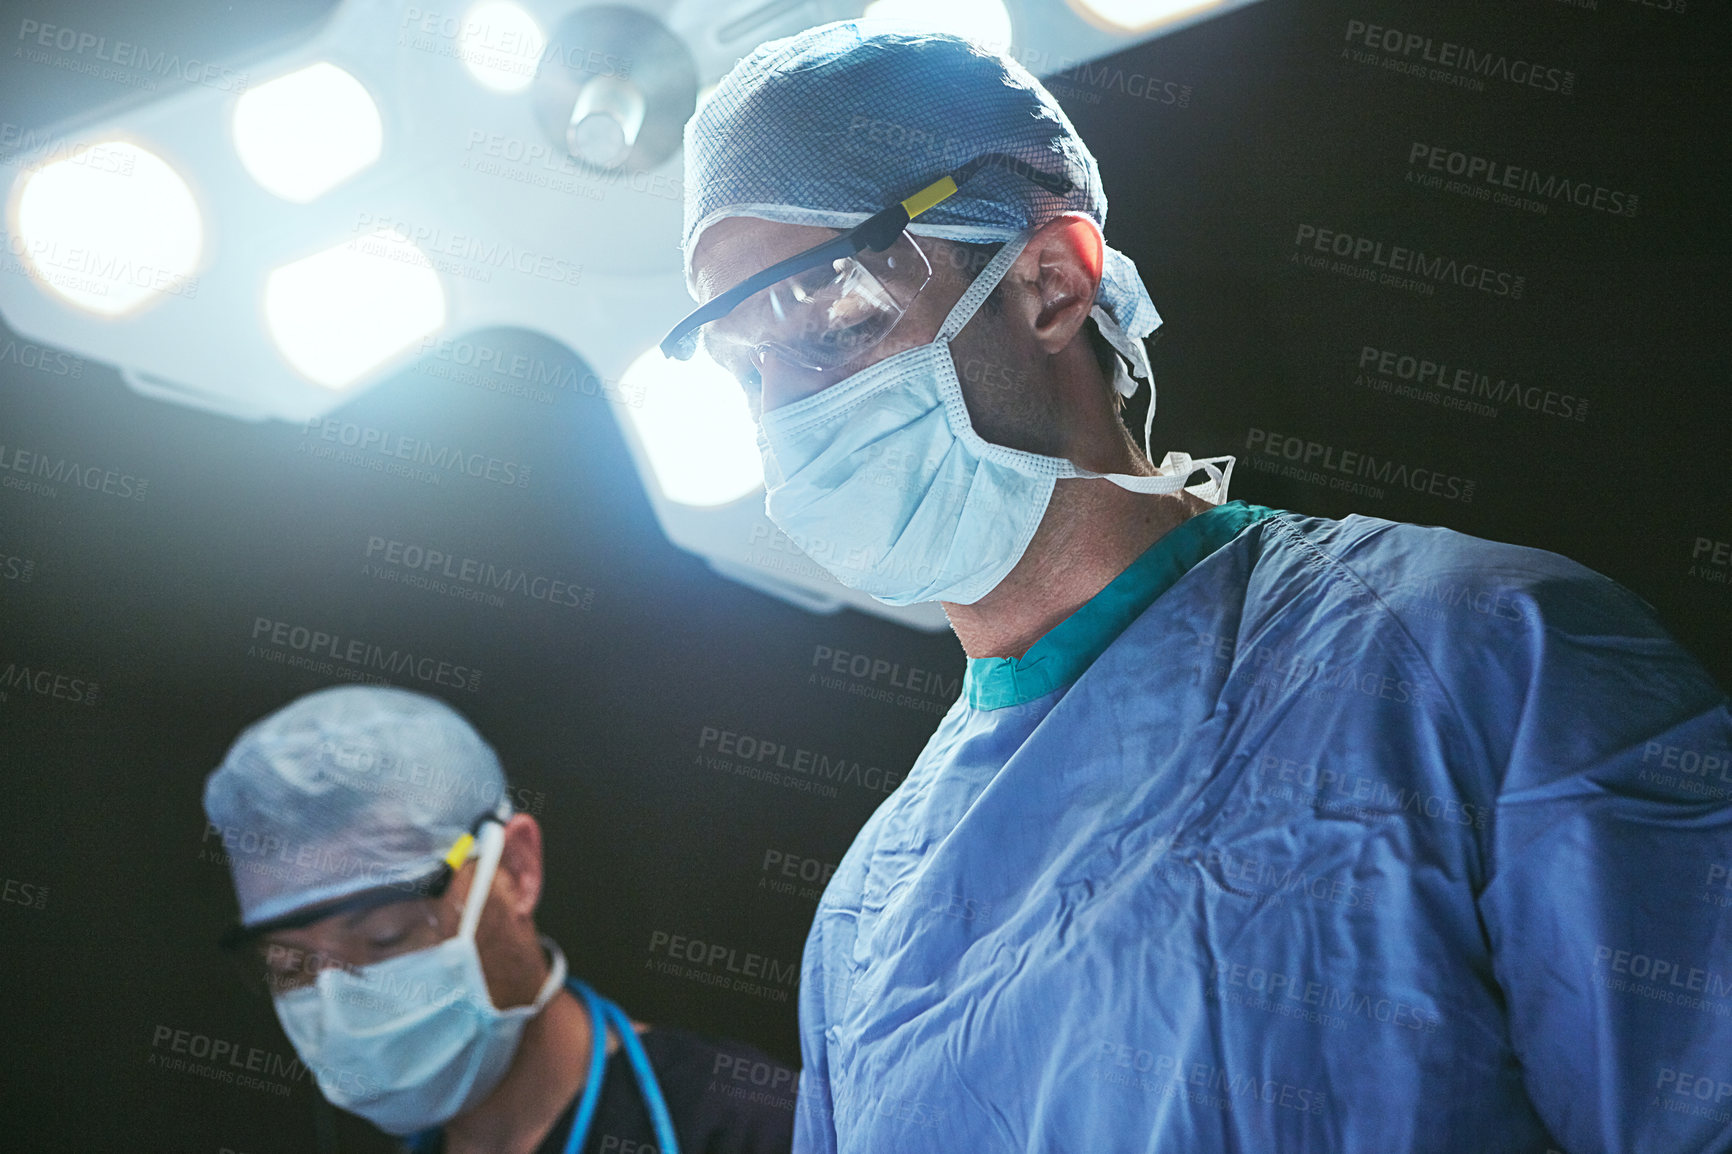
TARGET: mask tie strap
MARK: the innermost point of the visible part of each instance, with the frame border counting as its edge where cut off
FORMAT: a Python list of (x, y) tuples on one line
[(982, 287), (556, 974), (1149, 424), (1178, 468), (491, 841)]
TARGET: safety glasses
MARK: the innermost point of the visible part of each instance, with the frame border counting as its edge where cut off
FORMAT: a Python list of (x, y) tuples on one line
[(826, 306)]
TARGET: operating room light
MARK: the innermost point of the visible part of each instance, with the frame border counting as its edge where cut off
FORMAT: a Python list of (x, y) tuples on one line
[(501, 46), (305, 133), (108, 227), (985, 21), (695, 428), (1139, 15), (530, 148), (339, 313)]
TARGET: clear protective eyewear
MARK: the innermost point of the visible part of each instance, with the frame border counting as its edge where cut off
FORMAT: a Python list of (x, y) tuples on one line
[(407, 919), (826, 306), (826, 315)]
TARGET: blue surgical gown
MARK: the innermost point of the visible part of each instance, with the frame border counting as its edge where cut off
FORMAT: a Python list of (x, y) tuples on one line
[(1303, 835)]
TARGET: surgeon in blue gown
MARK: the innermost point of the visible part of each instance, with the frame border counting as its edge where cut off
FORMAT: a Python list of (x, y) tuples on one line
[(1251, 830)]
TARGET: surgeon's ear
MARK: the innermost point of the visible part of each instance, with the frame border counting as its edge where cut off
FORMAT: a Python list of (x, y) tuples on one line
[(1063, 271), (520, 873)]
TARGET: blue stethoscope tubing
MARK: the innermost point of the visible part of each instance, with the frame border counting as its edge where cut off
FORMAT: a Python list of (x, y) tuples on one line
[(602, 1014)]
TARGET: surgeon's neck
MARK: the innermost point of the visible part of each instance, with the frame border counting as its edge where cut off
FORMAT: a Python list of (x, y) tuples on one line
[(549, 1070), (1091, 533)]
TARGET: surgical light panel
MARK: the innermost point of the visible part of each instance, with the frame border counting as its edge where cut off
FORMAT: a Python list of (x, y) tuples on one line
[(695, 428), (501, 45), (342, 312), (985, 21), (109, 227), (1136, 16), (303, 134)]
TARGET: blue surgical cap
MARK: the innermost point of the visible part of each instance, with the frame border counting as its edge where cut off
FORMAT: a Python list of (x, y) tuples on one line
[(842, 120), (343, 790)]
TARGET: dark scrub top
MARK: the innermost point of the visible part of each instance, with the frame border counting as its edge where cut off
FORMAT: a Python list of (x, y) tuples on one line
[(724, 1098)]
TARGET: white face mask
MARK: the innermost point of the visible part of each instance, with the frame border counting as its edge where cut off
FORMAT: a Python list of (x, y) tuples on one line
[(882, 480), (414, 1040)]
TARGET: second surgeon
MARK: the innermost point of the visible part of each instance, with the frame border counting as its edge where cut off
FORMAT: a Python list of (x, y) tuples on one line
[(389, 905)]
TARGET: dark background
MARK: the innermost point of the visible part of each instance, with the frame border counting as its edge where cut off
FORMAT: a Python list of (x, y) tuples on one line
[(598, 713)]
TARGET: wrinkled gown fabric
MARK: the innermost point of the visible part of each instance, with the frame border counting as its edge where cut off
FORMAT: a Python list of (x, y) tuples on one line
[(1361, 837)]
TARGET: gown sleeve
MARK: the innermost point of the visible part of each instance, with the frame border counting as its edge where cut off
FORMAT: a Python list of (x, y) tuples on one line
[(1607, 904), (814, 1112)]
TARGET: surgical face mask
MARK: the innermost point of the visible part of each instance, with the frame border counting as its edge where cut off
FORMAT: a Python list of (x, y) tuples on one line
[(882, 479), (412, 1041)]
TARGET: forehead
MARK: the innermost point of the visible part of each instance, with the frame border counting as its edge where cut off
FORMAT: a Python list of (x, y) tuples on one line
[(735, 247)]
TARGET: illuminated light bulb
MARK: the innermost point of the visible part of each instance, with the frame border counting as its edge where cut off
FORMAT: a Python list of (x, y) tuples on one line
[(695, 428), (305, 133), (1134, 16), (501, 46), (108, 228), (339, 313), (983, 21)]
